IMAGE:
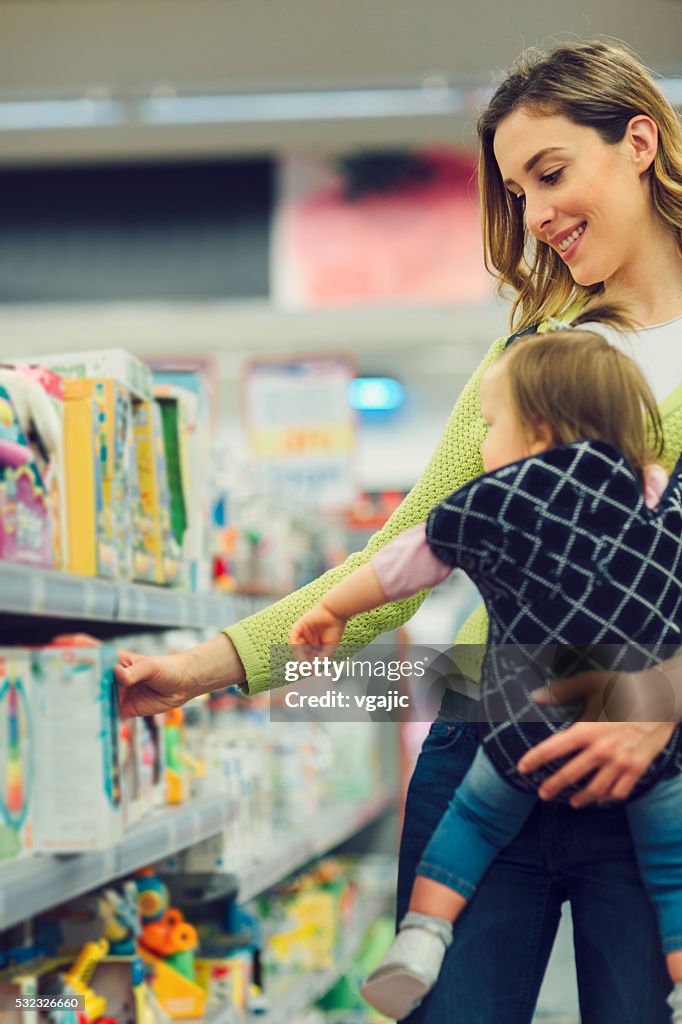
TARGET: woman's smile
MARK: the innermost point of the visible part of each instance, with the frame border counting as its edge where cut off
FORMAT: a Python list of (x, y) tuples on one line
[(569, 244)]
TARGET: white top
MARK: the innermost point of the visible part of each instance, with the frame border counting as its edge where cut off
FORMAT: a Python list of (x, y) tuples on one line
[(656, 350)]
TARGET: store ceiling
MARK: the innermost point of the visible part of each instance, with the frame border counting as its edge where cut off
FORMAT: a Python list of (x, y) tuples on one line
[(131, 49)]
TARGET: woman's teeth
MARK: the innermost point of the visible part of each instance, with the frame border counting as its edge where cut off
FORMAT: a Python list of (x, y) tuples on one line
[(564, 243)]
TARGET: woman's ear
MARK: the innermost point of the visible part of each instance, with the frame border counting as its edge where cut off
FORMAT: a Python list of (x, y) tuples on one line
[(641, 135)]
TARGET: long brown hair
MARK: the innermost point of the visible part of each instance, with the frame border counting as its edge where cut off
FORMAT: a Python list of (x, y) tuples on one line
[(599, 85), (583, 387)]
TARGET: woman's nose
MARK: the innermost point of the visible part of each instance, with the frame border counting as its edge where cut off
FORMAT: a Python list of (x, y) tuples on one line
[(539, 216)]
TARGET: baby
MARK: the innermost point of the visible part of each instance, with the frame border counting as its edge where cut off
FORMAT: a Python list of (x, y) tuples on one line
[(573, 539)]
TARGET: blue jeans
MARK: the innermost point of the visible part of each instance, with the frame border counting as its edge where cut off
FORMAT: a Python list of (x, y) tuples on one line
[(494, 967), (486, 813), (656, 826)]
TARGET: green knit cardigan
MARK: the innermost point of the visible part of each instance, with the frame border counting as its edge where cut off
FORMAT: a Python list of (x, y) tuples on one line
[(455, 462)]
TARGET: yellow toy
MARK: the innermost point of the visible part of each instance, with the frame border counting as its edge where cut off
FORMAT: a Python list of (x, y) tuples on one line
[(78, 978)]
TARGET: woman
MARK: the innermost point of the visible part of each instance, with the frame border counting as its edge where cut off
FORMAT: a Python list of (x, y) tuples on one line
[(581, 191)]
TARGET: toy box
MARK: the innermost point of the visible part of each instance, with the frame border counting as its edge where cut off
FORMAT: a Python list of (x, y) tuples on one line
[(156, 555), (98, 455), (38, 397), (25, 528), (17, 754), (189, 514), (77, 783), (116, 363), (91, 550), (195, 381), (174, 427)]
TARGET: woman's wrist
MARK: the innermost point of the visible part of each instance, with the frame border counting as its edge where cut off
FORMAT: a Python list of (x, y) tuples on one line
[(213, 665)]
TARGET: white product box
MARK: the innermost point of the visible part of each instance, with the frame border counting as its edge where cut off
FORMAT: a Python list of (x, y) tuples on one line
[(117, 363), (78, 784)]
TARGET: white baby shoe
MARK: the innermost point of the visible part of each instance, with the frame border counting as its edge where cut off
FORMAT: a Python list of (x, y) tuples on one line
[(410, 967), (675, 1004)]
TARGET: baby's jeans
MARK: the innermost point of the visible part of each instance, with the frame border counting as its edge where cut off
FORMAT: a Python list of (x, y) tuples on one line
[(655, 821)]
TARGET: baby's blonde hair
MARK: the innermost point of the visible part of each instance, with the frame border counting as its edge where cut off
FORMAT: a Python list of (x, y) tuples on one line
[(582, 387)]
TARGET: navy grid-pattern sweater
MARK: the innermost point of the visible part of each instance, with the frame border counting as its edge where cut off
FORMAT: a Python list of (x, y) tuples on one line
[(567, 556)]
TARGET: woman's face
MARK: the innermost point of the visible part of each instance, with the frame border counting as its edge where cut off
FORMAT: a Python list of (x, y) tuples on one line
[(584, 198)]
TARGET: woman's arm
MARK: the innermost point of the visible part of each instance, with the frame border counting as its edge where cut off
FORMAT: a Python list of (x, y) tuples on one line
[(246, 652)]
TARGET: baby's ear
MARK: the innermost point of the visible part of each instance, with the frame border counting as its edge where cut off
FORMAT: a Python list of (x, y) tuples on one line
[(539, 436)]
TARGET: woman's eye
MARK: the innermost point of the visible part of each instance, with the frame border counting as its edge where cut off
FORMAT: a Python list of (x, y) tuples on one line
[(553, 178)]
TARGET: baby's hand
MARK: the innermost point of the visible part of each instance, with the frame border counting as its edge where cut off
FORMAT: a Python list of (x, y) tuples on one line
[(318, 631)]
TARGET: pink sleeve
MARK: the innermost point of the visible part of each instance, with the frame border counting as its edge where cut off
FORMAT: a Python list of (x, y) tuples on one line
[(655, 482), (407, 565)]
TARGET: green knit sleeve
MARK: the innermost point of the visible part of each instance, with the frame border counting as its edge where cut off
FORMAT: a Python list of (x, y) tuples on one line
[(456, 460)]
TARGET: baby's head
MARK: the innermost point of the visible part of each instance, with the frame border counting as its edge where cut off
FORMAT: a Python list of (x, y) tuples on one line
[(565, 386)]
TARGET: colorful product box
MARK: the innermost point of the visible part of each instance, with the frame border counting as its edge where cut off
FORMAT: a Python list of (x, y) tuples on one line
[(308, 940), (180, 438), (196, 414), (116, 363), (25, 527), (77, 782), (156, 555), (17, 754), (42, 397), (98, 455), (91, 551)]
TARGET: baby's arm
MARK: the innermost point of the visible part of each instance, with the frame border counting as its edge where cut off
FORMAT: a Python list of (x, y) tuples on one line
[(324, 624), (400, 569)]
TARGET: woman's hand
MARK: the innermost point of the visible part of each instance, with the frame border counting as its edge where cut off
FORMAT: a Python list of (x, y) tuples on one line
[(318, 631), (152, 684), (617, 752)]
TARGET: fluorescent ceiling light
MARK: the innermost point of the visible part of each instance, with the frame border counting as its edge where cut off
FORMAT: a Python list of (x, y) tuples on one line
[(253, 108), (43, 115), (351, 104)]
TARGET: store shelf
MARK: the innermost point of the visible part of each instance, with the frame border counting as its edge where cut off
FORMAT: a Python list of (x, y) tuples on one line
[(50, 594), (290, 995), (38, 883), (326, 831)]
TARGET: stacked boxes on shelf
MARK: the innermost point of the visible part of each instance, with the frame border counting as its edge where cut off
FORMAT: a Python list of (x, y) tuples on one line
[(72, 776), (129, 468)]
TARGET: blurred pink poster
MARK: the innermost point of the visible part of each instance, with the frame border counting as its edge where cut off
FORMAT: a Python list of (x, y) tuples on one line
[(378, 228)]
